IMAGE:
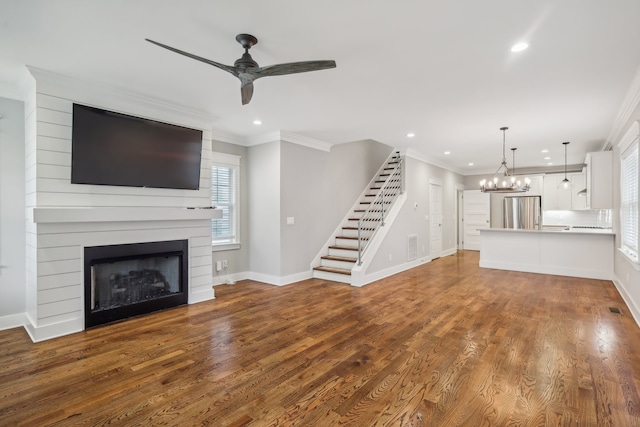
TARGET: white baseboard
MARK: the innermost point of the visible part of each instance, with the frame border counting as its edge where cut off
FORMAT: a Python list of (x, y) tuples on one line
[(631, 305), (279, 281), (54, 330), (12, 321), (202, 295), (365, 279), (448, 252)]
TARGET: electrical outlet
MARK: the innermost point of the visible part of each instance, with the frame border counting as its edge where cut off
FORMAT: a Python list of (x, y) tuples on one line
[(218, 265), (389, 257), (225, 265)]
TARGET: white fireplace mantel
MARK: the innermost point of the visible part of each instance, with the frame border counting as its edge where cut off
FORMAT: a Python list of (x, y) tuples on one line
[(58, 215)]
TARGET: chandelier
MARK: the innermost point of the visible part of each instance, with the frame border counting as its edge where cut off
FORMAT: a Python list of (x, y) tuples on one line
[(509, 183)]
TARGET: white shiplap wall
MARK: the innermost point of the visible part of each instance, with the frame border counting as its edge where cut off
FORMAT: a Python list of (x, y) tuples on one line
[(55, 247)]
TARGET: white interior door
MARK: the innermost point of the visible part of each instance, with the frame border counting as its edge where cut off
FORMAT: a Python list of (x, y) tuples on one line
[(476, 216), (435, 203)]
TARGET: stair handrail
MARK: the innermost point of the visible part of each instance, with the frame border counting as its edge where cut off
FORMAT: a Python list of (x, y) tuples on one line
[(393, 186)]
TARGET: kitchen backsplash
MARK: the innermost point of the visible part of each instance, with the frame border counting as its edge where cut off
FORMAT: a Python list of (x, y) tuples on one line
[(594, 217)]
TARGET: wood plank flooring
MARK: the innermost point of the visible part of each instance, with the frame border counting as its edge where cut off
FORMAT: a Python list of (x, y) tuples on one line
[(444, 344)]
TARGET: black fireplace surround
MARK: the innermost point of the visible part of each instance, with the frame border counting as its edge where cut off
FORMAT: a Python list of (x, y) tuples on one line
[(122, 281)]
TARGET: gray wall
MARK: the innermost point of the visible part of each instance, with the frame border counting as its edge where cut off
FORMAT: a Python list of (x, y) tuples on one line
[(263, 208), (411, 219), (237, 259), (12, 208)]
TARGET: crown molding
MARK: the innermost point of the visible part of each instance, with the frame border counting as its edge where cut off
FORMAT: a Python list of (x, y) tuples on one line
[(632, 134), (629, 105), (419, 156), (103, 95), (291, 137), (229, 138), (305, 141)]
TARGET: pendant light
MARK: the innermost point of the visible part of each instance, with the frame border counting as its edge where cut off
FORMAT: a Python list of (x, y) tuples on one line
[(565, 184), (509, 183)]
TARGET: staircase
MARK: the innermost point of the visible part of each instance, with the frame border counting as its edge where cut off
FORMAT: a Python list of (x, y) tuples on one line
[(368, 215)]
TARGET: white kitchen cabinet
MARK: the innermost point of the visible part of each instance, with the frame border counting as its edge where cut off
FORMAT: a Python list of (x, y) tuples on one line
[(579, 182), (554, 199), (536, 186), (557, 199), (599, 182)]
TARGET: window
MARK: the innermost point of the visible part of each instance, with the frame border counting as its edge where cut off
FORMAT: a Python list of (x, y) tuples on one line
[(629, 165), (224, 195)]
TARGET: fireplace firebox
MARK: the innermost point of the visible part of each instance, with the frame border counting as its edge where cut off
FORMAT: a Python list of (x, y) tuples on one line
[(122, 281)]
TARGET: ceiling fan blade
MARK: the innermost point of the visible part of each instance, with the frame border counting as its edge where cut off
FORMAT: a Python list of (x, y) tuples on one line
[(247, 92), (291, 68), (226, 68)]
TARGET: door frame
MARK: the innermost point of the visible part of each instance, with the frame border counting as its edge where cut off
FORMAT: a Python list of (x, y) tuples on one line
[(438, 182)]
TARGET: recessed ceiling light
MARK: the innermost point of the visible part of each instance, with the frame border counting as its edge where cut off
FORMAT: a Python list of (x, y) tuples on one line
[(550, 164), (411, 135), (547, 158), (447, 152), (519, 47), (257, 122), (545, 151), (470, 164)]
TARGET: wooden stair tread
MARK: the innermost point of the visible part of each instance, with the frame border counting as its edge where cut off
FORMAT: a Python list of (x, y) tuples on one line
[(344, 248), (350, 238), (339, 258), (334, 270)]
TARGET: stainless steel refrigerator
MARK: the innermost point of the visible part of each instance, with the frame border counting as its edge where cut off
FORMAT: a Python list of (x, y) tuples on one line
[(523, 212)]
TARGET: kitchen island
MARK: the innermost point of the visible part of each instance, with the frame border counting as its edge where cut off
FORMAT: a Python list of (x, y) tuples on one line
[(584, 253)]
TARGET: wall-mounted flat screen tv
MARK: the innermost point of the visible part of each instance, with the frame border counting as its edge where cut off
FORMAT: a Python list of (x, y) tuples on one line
[(110, 148)]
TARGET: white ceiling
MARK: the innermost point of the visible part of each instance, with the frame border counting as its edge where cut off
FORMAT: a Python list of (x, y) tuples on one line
[(440, 69)]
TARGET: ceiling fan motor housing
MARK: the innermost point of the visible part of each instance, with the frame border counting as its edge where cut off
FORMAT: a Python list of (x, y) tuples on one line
[(245, 62)]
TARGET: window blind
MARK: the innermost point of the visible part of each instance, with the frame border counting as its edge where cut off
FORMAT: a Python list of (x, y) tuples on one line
[(629, 200), (223, 196)]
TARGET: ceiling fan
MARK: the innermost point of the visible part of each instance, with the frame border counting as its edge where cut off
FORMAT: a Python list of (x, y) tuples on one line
[(248, 70)]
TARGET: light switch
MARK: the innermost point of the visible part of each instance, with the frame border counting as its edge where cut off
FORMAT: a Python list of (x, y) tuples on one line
[(290, 220)]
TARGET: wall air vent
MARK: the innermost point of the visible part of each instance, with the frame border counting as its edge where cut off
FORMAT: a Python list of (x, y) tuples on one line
[(412, 247)]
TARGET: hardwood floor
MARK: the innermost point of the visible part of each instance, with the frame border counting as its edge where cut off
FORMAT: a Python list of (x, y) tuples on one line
[(444, 344)]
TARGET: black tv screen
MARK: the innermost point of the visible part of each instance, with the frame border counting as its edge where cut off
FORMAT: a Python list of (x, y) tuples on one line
[(110, 148)]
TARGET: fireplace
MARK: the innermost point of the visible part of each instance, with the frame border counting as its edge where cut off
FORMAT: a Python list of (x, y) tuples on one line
[(122, 281)]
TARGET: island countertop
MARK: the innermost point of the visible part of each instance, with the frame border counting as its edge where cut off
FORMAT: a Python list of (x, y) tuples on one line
[(577, 252), (555, 230)]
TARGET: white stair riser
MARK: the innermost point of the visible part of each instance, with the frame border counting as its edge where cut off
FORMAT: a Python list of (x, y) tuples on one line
[(352, 243), (371, 224), (343, 252), (349, 233), (325, 275), (347, 265)]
